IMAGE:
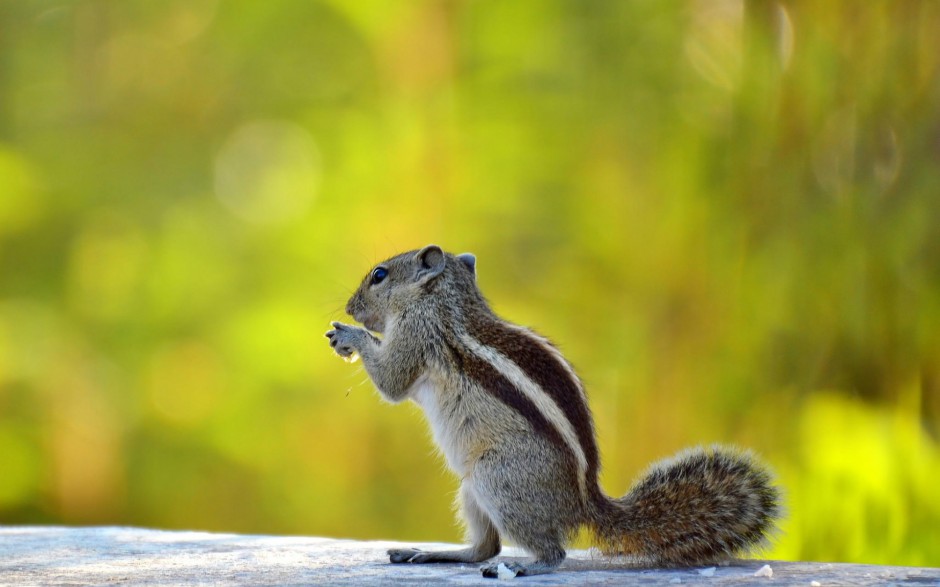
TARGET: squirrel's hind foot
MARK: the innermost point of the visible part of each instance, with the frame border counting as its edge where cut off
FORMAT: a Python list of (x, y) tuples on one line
[(492, 570), (473, 554), (404, 555)]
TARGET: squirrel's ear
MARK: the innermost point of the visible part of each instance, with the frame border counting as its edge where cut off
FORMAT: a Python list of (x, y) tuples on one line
[(470, 260), (431, 262)]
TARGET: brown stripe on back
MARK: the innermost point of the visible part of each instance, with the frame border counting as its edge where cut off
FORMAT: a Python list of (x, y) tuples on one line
[(491, 380), (546, 370)]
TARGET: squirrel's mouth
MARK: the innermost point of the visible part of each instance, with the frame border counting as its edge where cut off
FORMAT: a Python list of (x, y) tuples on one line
[(373, 323)]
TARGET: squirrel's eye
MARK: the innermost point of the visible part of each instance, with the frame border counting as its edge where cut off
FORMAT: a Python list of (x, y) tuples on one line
[(378, 275)]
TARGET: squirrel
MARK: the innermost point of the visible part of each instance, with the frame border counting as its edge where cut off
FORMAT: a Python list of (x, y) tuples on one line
[(512, 420)]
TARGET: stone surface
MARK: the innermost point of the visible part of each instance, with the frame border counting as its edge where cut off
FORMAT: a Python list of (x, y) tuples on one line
[(34, 555)]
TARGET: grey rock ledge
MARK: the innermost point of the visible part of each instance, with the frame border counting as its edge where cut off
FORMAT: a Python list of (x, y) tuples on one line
[(38, 555)]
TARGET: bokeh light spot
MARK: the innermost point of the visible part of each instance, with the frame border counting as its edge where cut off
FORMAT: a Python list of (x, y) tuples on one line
[(268, 172)]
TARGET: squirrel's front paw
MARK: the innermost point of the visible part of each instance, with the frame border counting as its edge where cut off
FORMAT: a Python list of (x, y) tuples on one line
[(344, 338)]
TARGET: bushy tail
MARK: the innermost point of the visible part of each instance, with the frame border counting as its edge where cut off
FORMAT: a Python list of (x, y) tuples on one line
[(701, 506)]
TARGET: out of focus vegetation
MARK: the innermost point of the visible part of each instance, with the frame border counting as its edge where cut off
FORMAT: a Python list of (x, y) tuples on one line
[(727, 214)]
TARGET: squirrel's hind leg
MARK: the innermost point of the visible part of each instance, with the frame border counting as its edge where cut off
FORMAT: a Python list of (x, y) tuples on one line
[(482, 534), (527, 502), (547, 549)]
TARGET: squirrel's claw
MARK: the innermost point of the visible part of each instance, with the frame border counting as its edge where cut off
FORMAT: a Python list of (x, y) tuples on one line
[(341, 339)]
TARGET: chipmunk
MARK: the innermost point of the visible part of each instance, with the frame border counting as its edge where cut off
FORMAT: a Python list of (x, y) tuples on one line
[(512, 420)]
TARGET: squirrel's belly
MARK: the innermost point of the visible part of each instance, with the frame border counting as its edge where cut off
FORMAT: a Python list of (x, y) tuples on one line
[(426, 395)]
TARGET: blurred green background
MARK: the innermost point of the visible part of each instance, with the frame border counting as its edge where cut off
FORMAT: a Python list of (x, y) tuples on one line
[(726, 213)]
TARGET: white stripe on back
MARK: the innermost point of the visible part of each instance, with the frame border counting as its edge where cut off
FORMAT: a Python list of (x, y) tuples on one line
[(543, 402)]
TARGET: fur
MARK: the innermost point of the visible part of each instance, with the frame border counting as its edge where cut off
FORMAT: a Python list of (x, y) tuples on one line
[(512, 420)]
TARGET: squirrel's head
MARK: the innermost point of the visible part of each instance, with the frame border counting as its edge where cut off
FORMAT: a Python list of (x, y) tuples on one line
[(406, 280)]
